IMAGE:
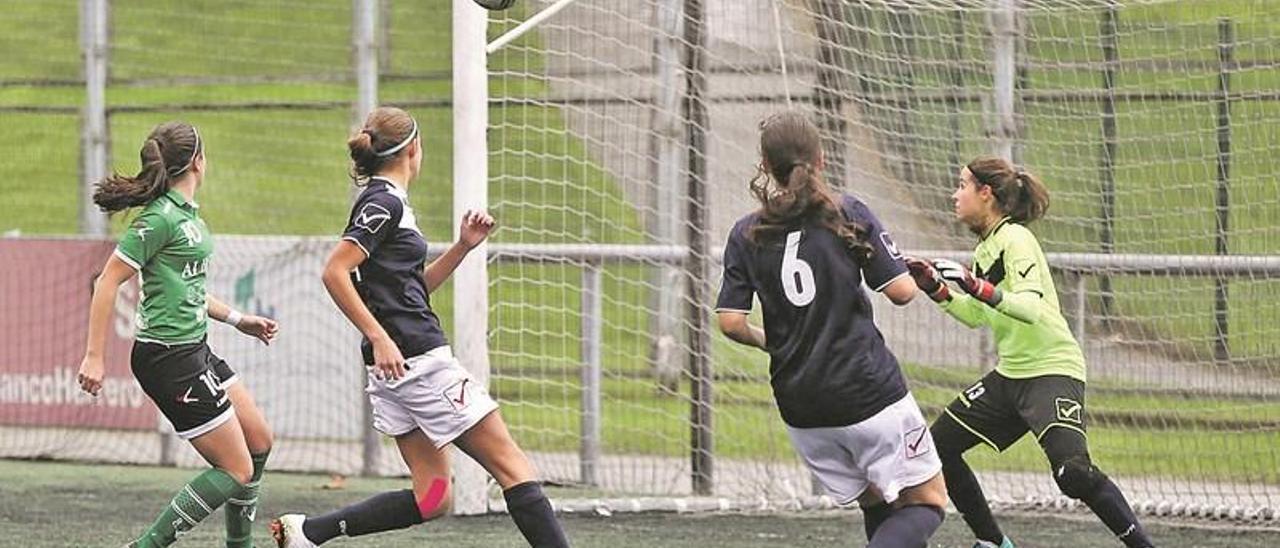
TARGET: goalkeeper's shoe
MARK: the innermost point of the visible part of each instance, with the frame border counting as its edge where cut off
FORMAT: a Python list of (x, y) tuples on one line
[(1006, 543), (287, 531)]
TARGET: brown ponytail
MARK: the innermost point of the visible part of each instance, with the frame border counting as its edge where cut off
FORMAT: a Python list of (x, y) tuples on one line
[(1019, 194), (168, 152), (791, 147), (386, 134)]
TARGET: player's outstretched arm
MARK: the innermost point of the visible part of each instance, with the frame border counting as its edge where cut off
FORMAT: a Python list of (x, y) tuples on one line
[(1021, 306), (105, 287), (960, 306), (258, 327), (475, 228), (900, 291), (735, 326)]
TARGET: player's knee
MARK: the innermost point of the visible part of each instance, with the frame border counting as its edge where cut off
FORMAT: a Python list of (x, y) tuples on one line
[(1077, 477), (241, 472), (436, 501), (268, 438), (260, 442), (932, 493)]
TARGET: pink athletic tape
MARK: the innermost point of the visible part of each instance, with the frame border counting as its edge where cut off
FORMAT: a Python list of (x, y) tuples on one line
[(428, 504)]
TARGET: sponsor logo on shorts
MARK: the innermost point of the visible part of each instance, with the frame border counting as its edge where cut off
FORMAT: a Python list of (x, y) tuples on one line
[(1069, 410), (186, 398), (459, 394), (917, 442)]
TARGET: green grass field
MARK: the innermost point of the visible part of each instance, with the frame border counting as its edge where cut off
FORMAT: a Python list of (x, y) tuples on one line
[(68, 505)]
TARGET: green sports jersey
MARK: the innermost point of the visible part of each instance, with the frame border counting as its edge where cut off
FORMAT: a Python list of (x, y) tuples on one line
[(169, 245), (1031, 335)]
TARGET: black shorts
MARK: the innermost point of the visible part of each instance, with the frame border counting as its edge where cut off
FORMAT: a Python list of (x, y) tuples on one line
[(999, 410), (187, 382)]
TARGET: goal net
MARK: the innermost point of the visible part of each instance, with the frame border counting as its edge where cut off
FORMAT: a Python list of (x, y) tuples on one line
[(1150, 122)]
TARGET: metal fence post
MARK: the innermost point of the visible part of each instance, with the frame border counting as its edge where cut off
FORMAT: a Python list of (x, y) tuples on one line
[(364, 15), (1222, 206), (1081, 307), (592, 301), (667, 164), (1107, 167), (95, 133), (1004, 30), (702, 438)]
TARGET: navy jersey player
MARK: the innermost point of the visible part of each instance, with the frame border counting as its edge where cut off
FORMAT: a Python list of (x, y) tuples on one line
[(805, 253), (420, 394)]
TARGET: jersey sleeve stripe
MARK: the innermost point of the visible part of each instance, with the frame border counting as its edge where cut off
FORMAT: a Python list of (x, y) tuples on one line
[(127, 260), (738, 310), (353, 240), (891, 280)]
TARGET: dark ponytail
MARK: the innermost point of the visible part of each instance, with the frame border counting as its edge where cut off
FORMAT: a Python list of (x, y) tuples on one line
[(791, 147), (1018, 192), (168, 152), (387, 133)]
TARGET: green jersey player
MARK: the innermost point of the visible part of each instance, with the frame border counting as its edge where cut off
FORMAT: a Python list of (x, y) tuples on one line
[(169, 246), (1039, 384)]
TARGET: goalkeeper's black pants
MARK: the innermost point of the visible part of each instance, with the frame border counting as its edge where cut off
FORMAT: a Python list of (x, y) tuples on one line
[(1068, 454)]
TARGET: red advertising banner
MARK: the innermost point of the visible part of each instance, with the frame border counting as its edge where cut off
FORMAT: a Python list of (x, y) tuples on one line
[(45, 288)]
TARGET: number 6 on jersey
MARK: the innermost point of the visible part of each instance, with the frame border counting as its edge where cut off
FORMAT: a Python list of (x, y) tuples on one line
[(797, 276)]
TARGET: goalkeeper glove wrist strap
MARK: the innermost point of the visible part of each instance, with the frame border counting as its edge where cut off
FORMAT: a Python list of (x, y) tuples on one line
[(987, 293)]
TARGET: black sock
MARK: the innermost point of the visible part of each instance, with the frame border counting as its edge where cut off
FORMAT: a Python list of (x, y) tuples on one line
[(908, 527), (873, 516), (531, 511), (967, 495), (1078, 478), (381, 512), (1110, 505)]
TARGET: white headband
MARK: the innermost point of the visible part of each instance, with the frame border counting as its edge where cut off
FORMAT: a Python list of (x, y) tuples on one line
[(194, 152), (404, 143)]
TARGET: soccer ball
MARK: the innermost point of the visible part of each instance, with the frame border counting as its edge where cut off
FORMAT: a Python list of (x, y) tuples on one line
[(496, 4)]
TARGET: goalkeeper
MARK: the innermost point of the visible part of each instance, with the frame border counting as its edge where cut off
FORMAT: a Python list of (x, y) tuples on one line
[(1039, 383)]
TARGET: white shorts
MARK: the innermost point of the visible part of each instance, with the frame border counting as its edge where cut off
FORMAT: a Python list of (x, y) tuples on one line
[(436, 395), (892, 451)]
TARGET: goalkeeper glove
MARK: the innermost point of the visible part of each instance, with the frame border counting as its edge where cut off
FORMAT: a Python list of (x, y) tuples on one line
[(977, 287), (928, 280)]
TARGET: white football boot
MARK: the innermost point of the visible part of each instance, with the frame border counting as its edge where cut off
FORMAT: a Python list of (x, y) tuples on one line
[(287, 530)]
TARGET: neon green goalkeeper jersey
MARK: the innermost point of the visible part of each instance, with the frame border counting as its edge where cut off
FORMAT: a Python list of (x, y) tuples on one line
[(1031, 335), (169, 245)]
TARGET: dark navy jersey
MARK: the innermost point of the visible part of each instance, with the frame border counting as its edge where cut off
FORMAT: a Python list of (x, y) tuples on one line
[(829, 365), (390, 281)]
